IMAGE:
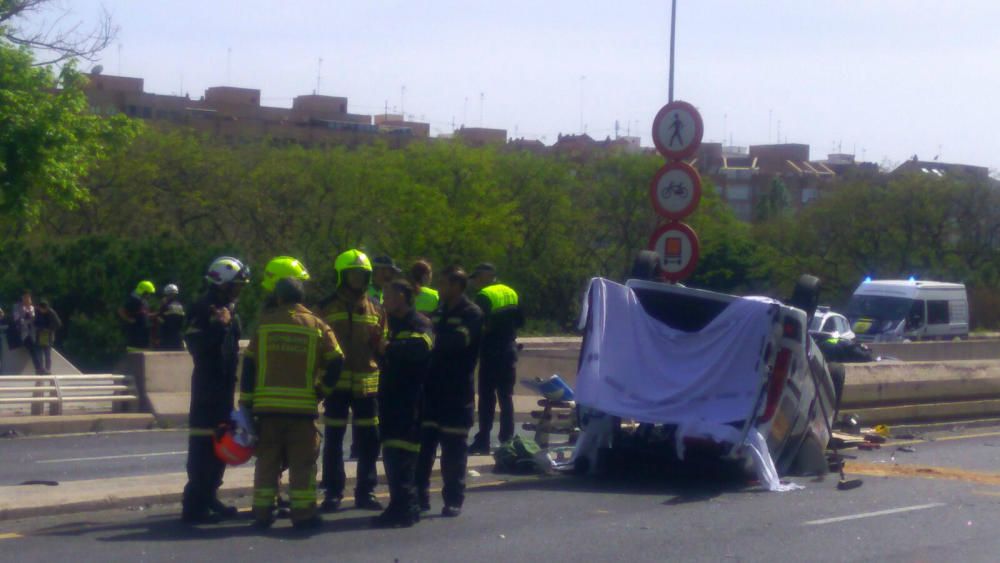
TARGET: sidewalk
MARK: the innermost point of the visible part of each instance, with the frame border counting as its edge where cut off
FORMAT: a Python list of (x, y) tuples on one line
[(26, 501)]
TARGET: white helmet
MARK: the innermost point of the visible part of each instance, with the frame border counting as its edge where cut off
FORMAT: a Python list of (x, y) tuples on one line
[(171, 289), (225, 269)]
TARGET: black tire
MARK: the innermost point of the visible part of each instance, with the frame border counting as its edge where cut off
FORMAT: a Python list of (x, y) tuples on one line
[(806, 295), (646, 266)]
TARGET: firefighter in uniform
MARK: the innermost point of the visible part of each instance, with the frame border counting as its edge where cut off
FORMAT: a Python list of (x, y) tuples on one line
[(293, 362), (400, 395), (170, 320), (360, 327), (450, 393), (213, 340), (498, 357)]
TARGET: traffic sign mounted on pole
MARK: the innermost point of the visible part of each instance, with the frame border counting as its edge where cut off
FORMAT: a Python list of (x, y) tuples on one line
[(679, 250), (677, 130), (675, 190)]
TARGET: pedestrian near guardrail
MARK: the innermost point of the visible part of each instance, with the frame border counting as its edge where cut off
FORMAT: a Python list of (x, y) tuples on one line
[(24, 328), (47, 324)]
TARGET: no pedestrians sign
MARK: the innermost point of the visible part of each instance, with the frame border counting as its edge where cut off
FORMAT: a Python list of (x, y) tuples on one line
[(677, 130)]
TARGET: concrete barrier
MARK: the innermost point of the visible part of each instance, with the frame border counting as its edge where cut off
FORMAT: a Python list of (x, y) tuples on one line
[(940, 351), (882, 392)]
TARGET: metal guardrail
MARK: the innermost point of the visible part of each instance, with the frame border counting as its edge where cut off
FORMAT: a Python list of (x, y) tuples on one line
[(55, 390)]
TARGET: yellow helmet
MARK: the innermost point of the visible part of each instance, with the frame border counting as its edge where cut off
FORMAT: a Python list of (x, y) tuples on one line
[(145, 288), (283, 267), (351, 260)]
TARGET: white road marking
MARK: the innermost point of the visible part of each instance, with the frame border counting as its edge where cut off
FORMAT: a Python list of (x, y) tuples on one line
[(873, 514), (106, 457)]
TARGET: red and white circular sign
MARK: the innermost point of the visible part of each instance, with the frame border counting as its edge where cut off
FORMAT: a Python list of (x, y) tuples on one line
[(679, 250), (677, 130), (675, 190)]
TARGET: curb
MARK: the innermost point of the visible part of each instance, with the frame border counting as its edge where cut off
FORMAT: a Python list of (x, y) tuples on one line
[(173, 496), (75, 424)]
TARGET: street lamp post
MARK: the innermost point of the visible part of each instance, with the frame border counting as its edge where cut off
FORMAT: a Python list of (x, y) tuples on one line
[(673, 26)]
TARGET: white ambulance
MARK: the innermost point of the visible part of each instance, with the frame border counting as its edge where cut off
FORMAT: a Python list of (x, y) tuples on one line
[(899, 310)]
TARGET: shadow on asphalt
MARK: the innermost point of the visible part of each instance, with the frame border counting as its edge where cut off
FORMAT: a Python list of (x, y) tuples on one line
[(681, 489), (170, 528)]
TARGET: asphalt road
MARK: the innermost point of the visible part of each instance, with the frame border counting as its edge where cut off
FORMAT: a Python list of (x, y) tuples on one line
[(946, 513), (98, 456)]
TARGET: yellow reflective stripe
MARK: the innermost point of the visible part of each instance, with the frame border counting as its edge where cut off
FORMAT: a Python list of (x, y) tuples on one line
[(264, 404), (365, 422), (338, 353), (406, 335), (363, 319), (334, 422), (325, 390), (402, 445), (456, 430), (429, 424), (264, 497), (285, 393), (193, 431)]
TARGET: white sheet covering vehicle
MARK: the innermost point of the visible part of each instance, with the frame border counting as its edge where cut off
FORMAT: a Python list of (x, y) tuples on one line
[(673, 373)]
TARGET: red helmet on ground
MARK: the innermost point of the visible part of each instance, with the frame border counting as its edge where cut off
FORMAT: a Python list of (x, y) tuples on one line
[(228, 449)]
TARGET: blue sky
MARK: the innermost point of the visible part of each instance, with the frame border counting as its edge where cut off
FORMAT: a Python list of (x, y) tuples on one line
[(884, 79)]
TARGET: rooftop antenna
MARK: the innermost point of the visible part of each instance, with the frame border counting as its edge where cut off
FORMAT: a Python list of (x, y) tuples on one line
[(482, 102), (779, 132), (616, 129), (229, 65), (119, 59), (402, 96), (770, 114), (319, 74), (465, 111), (725, 126), (583, 80)]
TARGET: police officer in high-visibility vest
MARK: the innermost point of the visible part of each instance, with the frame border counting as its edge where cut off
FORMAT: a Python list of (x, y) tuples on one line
[(360, 328), (406, 360), (502, 318), (450, 393), (293, 362), (213, 340), (427, 298)]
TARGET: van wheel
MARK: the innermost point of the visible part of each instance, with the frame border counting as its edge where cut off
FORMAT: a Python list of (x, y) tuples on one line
[(646, 266), (811, 459)]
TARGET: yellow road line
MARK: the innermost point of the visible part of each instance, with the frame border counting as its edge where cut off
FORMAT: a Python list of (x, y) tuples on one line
[(920, 472), (10, 536), (891, 443)]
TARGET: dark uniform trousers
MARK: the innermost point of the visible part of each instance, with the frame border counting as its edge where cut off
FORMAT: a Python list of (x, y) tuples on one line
[(496, 383), (204, 470), (450, 429), (366, 437), (295, 441)]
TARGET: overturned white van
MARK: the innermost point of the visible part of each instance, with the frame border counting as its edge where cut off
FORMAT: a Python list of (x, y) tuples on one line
[(898, 310)]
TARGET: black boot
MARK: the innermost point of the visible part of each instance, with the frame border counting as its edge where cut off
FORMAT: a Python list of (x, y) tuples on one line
[(224, 511), (367, 501)]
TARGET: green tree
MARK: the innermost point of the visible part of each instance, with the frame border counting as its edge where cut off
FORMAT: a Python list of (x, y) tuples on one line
[(49, 140)]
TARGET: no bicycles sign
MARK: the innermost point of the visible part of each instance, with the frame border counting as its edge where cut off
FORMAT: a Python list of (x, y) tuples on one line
[(675, 190)]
